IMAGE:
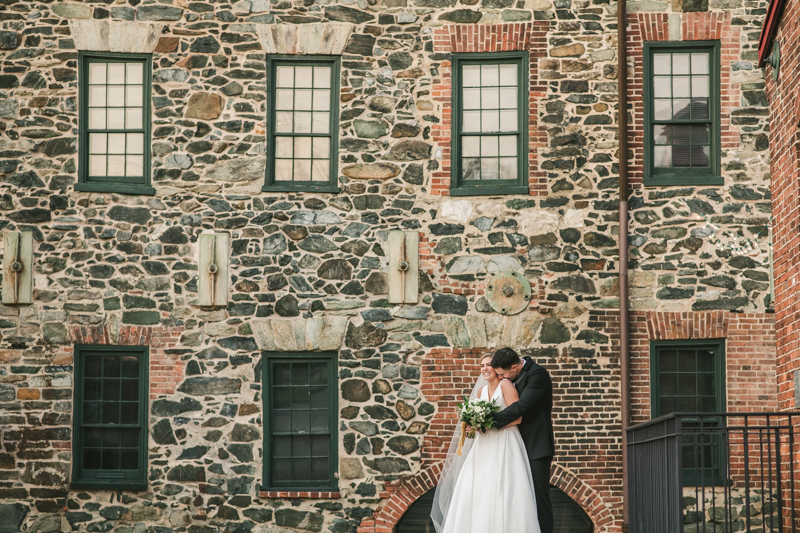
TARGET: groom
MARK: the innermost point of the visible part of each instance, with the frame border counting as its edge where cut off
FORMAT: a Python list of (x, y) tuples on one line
[(534, 406)]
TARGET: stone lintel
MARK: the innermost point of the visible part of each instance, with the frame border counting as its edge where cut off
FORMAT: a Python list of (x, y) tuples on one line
[(298, 335), (304, 39), (493, 330), (115, 35)]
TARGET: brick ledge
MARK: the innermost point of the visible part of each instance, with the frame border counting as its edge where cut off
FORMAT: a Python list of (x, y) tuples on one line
[(315, 495)]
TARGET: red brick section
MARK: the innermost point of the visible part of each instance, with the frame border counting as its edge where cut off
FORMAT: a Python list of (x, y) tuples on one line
[(586, 418), (306, 495), (166, 369), (458, 38), (749, 354), (699, 26)]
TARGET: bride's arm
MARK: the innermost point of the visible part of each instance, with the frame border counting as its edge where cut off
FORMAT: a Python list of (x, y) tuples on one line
[(510, 395)]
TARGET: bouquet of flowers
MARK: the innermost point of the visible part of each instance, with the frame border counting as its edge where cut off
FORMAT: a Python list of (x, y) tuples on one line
[(475, 414)]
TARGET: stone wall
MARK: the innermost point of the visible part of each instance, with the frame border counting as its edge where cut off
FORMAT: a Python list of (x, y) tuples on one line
[(117, 269)]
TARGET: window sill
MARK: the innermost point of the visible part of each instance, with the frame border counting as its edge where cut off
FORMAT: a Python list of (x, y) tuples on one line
[(101, 485), (496, 190), (683, 181), (300, 188), (120, 188), (308, 495)]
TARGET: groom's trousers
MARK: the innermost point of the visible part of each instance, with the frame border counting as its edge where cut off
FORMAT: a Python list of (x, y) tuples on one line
[(540, 468)]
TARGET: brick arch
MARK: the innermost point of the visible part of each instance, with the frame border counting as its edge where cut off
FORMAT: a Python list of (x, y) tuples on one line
[(584, 495)]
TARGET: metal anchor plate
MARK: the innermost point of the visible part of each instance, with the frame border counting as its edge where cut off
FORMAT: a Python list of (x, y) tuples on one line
[(508, 292)]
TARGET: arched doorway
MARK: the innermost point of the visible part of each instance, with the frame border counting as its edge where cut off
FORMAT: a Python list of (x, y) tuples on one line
[(569, 517)]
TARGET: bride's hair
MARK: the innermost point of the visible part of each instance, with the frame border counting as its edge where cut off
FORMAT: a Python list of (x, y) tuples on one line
[(504, 358)]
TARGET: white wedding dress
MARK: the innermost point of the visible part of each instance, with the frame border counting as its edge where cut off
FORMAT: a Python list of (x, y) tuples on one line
[(494, 490)]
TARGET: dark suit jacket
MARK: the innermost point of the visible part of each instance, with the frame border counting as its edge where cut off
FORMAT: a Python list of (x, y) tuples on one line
[(535, 406)]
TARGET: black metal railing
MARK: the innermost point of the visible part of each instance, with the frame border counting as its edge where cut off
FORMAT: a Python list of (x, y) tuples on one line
[(715, 473)]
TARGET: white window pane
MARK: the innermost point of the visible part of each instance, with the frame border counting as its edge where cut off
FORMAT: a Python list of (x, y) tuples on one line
[(490, 98), (97, 73), (508, 74), (285, 77), (680, 87), (135, 73), (471, 168), (116, 95), (302, 100), (116, 119), (470, 146), (490, 168), (116, 165), (472, 121), (133, 118), (508, 97), (302, 147), (508, 168), (135, 143), (700, 63), (322, 148), (97, 119), (680, 63), (490, 75), (322, 100), (321, 122), (489, 146), (283, 121), (661, 64), (490, 121), (662, 156), (662, 134), (700, 86), (662, 87), (320, 170), (508, 145), (97, 95), (302, 170), (116, 73), (284, 99), (472, 98), (471, 75), (302, 76), (680, 109), (283, 170), (97, 165), (133, 95), (97, 143), (133, 166), (662, 109), (283, 147), (116, 143), (322, 77), (302, 122), (508, 120)]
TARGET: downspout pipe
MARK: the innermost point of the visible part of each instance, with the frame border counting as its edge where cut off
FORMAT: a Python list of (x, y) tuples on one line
[(624, 356)]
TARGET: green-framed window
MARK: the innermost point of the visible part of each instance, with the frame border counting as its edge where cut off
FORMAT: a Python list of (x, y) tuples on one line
[(110, 417), (489, 124), (689, 377), (302, 123), (300, 437), (114, 123), (682, 115)]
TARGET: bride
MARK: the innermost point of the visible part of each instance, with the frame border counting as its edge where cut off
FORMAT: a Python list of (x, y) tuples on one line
[(489, 487)]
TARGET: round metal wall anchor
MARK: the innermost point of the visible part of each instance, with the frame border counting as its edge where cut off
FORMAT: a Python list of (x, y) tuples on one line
[(508, 292), (402, 266), (213, 269), (16, 266)]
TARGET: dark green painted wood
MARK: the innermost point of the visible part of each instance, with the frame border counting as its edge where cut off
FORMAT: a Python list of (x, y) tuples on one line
[(127, 479), (504, 187), (267, 362), (683, 176), (117, 184)]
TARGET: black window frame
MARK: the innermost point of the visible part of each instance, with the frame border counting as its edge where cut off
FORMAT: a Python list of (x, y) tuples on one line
[(125, 185), (268, 484), (691, 476), (130, 480), (458, 186), (683, 176), (331, 186)]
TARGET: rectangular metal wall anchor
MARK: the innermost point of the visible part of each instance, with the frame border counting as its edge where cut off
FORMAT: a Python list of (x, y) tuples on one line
[(17, 267), (212, 283), (403, 267)]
